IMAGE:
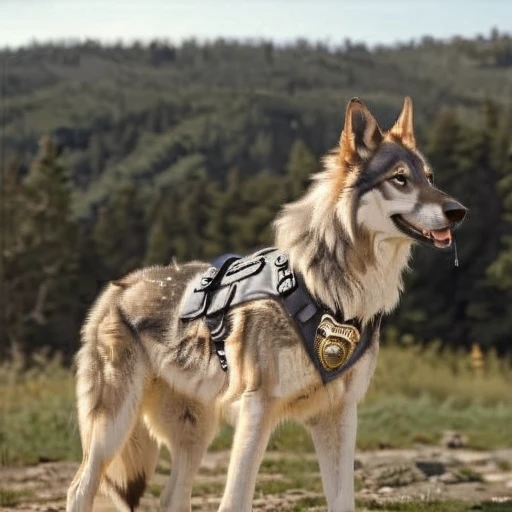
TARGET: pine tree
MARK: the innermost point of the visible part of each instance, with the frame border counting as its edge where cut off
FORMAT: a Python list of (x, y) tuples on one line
[(499, 272), (181, 225), (433, 286), (262, 197), (120, 232), (41, 258), (301, 164), (97, 155), (162, 229), (457, 301), (226, 207), (11, 321)]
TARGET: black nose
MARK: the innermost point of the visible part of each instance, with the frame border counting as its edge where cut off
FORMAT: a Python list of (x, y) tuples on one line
[(454, 211)]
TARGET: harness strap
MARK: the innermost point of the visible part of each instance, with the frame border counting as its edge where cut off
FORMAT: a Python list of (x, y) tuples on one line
[(307, 314), (267, 275), (219, 328)]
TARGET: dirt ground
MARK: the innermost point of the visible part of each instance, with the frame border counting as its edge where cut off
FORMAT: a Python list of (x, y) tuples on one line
[(290, 482)]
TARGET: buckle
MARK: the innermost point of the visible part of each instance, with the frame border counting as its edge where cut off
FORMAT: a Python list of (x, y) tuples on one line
[(286, 281), (206, 279)]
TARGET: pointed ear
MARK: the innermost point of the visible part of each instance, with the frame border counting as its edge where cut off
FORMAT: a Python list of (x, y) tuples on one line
[(403, 129), (361, 134)]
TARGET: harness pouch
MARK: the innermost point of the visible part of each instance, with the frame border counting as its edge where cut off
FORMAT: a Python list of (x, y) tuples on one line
[(270, 277)]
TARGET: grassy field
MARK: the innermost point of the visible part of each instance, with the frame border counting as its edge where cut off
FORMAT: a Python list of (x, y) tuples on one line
[(415, 395)]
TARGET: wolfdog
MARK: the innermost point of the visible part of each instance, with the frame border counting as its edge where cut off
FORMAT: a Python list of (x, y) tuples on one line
[(145, 377)]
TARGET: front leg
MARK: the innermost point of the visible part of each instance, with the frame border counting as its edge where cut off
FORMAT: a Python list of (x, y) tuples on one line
[(334, 437), (253, 429)]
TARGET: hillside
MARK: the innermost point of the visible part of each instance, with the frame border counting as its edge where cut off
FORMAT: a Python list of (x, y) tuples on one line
[(153, 113), (188, 152)]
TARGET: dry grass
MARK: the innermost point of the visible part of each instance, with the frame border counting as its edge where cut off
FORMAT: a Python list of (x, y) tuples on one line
[(413, 371), (415, 395), (37, 408)]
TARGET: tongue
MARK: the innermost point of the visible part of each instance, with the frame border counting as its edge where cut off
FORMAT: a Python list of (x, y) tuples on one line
[(443, 236)]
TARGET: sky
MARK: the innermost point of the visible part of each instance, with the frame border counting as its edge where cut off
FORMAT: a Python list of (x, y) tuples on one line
[(331, 21)]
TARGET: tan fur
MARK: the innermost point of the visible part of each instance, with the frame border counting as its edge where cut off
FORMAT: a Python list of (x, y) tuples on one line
[(348, 156), (350, 149), (403, 129), (145, 378)]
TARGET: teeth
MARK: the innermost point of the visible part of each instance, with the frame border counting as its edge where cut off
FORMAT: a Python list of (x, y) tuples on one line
[(426, 233)]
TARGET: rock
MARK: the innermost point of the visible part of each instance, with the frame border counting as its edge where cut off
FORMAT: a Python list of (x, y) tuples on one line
[(503, 459), (461, 475), (385, 490), (453, 439), (493, 478), (394, 474), (431, 467), (504, 454), (449, 478)]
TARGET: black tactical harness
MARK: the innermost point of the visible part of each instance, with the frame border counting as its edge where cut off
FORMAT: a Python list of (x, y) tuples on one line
[(332, 347)]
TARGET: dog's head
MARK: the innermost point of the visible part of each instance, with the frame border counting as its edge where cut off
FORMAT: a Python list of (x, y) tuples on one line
[(386, 186)]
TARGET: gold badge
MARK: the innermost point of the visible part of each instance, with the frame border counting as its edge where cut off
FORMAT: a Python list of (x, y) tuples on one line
[(335, 342)]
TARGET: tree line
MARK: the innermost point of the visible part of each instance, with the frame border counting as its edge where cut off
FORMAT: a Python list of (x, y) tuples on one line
[(158, 151), (54, 263)]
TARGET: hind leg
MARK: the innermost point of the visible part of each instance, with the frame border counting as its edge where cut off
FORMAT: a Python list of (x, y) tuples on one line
[(187, 452), (187, 427), (126, 476), (105, 441), (110, 383)]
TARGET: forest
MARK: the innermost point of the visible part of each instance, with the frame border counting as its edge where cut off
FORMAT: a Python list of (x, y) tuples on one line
[(117, 156)]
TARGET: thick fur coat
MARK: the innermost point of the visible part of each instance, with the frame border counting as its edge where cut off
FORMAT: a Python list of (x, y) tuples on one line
[(145, 378)]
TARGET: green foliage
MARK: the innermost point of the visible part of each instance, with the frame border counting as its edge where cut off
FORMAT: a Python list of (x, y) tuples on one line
[(10, 498), (441, 373), (119, 231), (190, 151), (40, 260), (465, 304), (301, 165), (397, 422), (37, 408)]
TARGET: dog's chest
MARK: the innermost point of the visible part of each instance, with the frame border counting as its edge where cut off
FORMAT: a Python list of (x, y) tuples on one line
[(381, 284)]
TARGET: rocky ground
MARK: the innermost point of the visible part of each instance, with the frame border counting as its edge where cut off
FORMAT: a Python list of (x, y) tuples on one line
[(290, 482)]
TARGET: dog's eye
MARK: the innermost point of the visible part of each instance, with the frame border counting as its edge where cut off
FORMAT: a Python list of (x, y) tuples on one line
[(400, 179), (430, 179)]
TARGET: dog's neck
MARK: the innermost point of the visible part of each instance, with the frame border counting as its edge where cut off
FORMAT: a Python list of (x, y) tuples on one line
[(360, 277)]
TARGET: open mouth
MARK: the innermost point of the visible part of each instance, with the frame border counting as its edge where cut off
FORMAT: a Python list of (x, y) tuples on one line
[(440, 238)]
